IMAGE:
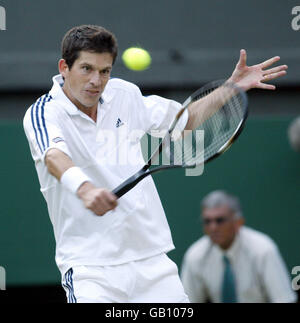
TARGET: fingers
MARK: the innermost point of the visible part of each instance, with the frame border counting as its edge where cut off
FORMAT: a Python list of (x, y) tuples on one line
[(243, 58), (269, 62), (268, 78), (248, 77), (272, 73), (265, 86), (104, 202), (110, 199), (275, 69), (99, 201), (272, 76)]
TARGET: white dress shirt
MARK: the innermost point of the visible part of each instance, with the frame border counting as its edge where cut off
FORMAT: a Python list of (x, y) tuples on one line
[(137, 228), (260, 273)]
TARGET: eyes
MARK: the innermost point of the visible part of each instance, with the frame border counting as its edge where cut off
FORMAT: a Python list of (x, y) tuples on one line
[(88, 69), (218, 220)]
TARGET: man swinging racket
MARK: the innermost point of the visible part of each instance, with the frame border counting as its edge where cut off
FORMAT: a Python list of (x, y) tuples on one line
[(108, 249)]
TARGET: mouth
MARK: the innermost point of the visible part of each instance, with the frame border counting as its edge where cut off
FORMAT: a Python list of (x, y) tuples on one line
[(92, 93), (215, 237)]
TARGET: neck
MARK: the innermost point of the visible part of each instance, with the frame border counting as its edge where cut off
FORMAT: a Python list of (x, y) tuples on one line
[(89, 111), (227, 245)]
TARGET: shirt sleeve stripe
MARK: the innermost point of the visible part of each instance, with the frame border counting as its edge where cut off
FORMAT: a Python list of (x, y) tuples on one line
[(47, 99), (38, 120), (33, 125), (39, 124)]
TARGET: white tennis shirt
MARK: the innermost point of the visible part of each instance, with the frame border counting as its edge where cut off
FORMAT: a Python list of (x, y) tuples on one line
[(108, 154)]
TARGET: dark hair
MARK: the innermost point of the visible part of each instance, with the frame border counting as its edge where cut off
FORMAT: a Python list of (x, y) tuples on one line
[(87, 38)]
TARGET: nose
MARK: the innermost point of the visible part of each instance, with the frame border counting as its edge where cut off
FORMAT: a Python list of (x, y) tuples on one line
[(212, 227), (95, 79)]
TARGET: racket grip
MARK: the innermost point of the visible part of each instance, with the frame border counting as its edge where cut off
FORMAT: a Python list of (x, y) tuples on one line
[(130, 183)]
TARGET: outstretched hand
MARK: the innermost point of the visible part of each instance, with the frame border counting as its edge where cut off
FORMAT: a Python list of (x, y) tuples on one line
[(249, 77)]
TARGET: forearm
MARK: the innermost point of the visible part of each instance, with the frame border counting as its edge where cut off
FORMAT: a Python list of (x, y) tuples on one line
[(98, 200), (202, 109), (57, 163)]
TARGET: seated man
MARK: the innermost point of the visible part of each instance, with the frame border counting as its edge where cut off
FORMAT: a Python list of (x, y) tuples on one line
[(233, 263)]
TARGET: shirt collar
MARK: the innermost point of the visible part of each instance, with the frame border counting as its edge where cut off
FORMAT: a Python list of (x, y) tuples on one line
[(58, 94), (233, 249)]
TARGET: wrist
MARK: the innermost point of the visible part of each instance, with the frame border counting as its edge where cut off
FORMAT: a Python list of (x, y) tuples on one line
[(73, 178), (231, 80), (238, 84), (84, 188)]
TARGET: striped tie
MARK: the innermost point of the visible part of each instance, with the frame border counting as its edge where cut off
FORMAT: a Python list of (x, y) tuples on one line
[(228, 288)]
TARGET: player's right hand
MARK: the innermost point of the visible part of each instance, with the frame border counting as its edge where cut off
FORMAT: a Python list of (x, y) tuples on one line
[(98, 200)]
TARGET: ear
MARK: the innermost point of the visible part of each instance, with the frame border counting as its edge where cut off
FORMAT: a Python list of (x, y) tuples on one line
[(239, 222), (63, 67)]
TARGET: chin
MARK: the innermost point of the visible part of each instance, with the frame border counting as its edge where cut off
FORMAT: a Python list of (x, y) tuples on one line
[(219, 242), (89, 105)]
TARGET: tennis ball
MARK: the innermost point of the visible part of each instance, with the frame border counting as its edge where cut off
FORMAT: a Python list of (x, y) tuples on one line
[(136, 59)]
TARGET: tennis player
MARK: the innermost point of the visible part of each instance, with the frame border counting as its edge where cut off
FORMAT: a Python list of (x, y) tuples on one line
[(108, 250)]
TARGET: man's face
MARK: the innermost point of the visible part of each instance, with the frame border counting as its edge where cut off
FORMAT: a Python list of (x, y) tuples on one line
[(86, 80), (220, 225)]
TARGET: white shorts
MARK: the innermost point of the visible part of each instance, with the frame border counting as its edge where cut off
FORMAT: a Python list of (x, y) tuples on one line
[(151, 280)]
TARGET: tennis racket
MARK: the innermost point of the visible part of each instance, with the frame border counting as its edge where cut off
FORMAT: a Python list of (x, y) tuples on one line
[(219, 109)]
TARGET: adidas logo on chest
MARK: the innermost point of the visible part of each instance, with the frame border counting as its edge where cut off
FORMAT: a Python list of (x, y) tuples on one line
[(119, 123)]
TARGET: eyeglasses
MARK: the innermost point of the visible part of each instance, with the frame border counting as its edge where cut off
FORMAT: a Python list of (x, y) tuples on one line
[(219, 220)]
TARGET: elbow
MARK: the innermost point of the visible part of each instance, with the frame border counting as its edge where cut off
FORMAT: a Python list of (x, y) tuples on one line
[(50, 160), (57, 162), (50, 156)]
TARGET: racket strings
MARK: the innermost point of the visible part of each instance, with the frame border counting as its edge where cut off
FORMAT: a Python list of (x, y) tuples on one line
[(216, 128)]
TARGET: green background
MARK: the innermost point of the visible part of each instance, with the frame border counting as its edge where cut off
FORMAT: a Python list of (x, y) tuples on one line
[(260, 168), (191, 43)]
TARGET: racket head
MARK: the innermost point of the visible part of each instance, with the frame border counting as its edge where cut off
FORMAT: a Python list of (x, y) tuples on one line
[(235, 108), (220, 128)]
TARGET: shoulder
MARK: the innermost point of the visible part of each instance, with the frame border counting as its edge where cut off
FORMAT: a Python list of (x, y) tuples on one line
[(42, 108), (258, 242), (121, 85), (198, 250)]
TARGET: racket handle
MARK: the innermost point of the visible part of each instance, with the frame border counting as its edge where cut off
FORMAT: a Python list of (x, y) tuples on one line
[(130, 183)]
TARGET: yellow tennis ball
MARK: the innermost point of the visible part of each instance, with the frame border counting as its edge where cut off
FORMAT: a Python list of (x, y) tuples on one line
[(136, 59)]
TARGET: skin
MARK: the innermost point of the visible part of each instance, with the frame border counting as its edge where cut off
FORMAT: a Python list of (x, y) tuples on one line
[(222, 234), (255, 76), (86, 80)]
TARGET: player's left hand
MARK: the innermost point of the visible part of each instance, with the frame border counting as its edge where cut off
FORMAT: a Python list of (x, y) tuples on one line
[(249, 77)]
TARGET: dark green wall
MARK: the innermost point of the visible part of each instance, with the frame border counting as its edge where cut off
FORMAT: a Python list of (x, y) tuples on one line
[(260, 168), (26, 236)]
